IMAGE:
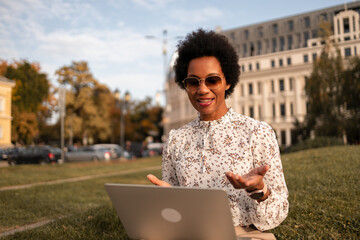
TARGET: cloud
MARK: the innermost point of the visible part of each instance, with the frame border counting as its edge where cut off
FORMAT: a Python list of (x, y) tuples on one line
[(152, 4), (196, 16)]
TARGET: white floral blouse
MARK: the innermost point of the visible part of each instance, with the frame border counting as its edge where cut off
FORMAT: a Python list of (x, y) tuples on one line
[(201, 152)]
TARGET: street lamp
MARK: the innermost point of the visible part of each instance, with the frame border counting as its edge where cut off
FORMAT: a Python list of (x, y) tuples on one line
[(123, 107), (165, 40)]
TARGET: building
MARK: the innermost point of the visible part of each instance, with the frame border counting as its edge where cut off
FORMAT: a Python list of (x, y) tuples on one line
[(275, 58), (5, 111)]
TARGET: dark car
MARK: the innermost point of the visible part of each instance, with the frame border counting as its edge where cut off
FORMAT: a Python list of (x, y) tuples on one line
[(5, 153), (36, 154)]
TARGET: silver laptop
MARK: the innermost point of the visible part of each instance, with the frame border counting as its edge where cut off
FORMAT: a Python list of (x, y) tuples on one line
[(157, 213)]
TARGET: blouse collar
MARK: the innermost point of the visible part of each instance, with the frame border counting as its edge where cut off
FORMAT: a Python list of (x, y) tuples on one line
[(226, 118)]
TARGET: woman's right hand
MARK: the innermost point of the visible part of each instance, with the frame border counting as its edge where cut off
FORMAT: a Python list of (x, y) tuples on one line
[(157, 181)]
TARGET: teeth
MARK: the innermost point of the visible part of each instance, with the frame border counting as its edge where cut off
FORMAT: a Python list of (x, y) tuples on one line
[(204, 100)]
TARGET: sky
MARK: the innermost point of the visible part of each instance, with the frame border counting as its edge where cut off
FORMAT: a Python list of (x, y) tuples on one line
[(111, 35)]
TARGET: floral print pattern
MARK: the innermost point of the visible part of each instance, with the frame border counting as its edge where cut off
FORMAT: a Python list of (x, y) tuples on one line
[(201, 152)]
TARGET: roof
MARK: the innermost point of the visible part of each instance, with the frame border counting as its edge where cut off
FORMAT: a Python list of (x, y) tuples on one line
[(6, 80)]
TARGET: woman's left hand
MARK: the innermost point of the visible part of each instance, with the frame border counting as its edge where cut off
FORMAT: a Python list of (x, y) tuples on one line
[(253, 180)]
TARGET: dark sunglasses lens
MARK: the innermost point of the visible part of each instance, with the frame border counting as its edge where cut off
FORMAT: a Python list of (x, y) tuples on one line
[(191, 82), (213, 82)]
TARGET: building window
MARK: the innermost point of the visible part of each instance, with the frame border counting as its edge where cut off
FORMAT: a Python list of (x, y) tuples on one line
[(283, 137), (244, 50), (291, 84), (306, 38), (355, 53), (250, 67), (314, 33), (281, 85), (307, 22), (260, 32), (323, 17), (273, 108), (272, 63), (288, 61), (259, 47), (251, 111), (243, 110), (290, 42), (291, 25), (257, 66), (306, 58), (314, 55), (243, 68), (232, 35), (250, 89), (275, 28), (282, 109), (246, 33), (272, 86), (346, 25), (252, 49), (282, 43), (291, 109), (347, 52), (274, 45), (280, 62)]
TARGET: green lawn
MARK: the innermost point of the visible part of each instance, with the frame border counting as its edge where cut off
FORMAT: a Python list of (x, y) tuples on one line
[(323, 185)]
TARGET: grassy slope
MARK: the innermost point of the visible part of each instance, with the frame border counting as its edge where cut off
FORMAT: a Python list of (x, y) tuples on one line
[(324, 201)]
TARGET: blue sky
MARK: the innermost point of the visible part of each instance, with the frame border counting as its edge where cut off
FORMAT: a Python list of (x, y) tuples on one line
[(110, 34)]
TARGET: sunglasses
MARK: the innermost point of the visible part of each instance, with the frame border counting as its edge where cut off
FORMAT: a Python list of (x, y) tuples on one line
[(211, 82)]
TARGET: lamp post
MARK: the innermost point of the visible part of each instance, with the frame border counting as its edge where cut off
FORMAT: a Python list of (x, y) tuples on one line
[(62, 101), (123, 107)]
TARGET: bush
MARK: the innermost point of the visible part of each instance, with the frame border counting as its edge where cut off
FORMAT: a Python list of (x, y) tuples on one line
[(317, 142)]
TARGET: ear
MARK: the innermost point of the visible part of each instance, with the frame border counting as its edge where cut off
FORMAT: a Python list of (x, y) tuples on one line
[(227, 87)]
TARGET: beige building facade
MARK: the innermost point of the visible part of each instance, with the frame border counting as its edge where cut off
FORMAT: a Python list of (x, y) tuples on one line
[(6, 86), (276, 57)]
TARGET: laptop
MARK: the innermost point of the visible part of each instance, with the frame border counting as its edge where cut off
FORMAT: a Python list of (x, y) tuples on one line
[(163, 213)]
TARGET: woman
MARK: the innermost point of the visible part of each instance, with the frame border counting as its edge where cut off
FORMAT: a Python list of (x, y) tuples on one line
[(223, 149)]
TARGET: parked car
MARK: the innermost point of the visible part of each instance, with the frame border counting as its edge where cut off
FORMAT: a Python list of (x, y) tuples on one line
[(153, 149), (35, 154), (115, 149), (5, 153), (88, 153)]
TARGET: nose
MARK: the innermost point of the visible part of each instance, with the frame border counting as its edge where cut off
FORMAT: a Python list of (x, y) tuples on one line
[(202, 89)]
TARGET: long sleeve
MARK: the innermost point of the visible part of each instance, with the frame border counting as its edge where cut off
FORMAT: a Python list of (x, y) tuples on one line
[(168, 164), (271, 212)]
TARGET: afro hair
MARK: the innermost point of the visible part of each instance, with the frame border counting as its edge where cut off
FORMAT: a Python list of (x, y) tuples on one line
[(203, 43)]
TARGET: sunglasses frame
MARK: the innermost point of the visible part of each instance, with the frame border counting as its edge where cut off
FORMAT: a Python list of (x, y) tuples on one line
[(202, 79)]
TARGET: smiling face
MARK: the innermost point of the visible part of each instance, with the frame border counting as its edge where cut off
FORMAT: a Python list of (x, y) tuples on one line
[(209, 103)]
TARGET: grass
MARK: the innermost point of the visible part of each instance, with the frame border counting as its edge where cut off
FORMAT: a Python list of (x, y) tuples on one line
[(27, 174), (323, 185)]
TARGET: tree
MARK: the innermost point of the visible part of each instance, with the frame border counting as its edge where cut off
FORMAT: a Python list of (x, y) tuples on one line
[(351, 93), (87, 104), (332, 92), (29, 95)]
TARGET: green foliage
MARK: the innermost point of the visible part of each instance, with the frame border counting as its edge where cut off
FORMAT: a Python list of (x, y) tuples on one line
[(29, 99), (32, 87), (144, 120), (333, 95), (87, 104)]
